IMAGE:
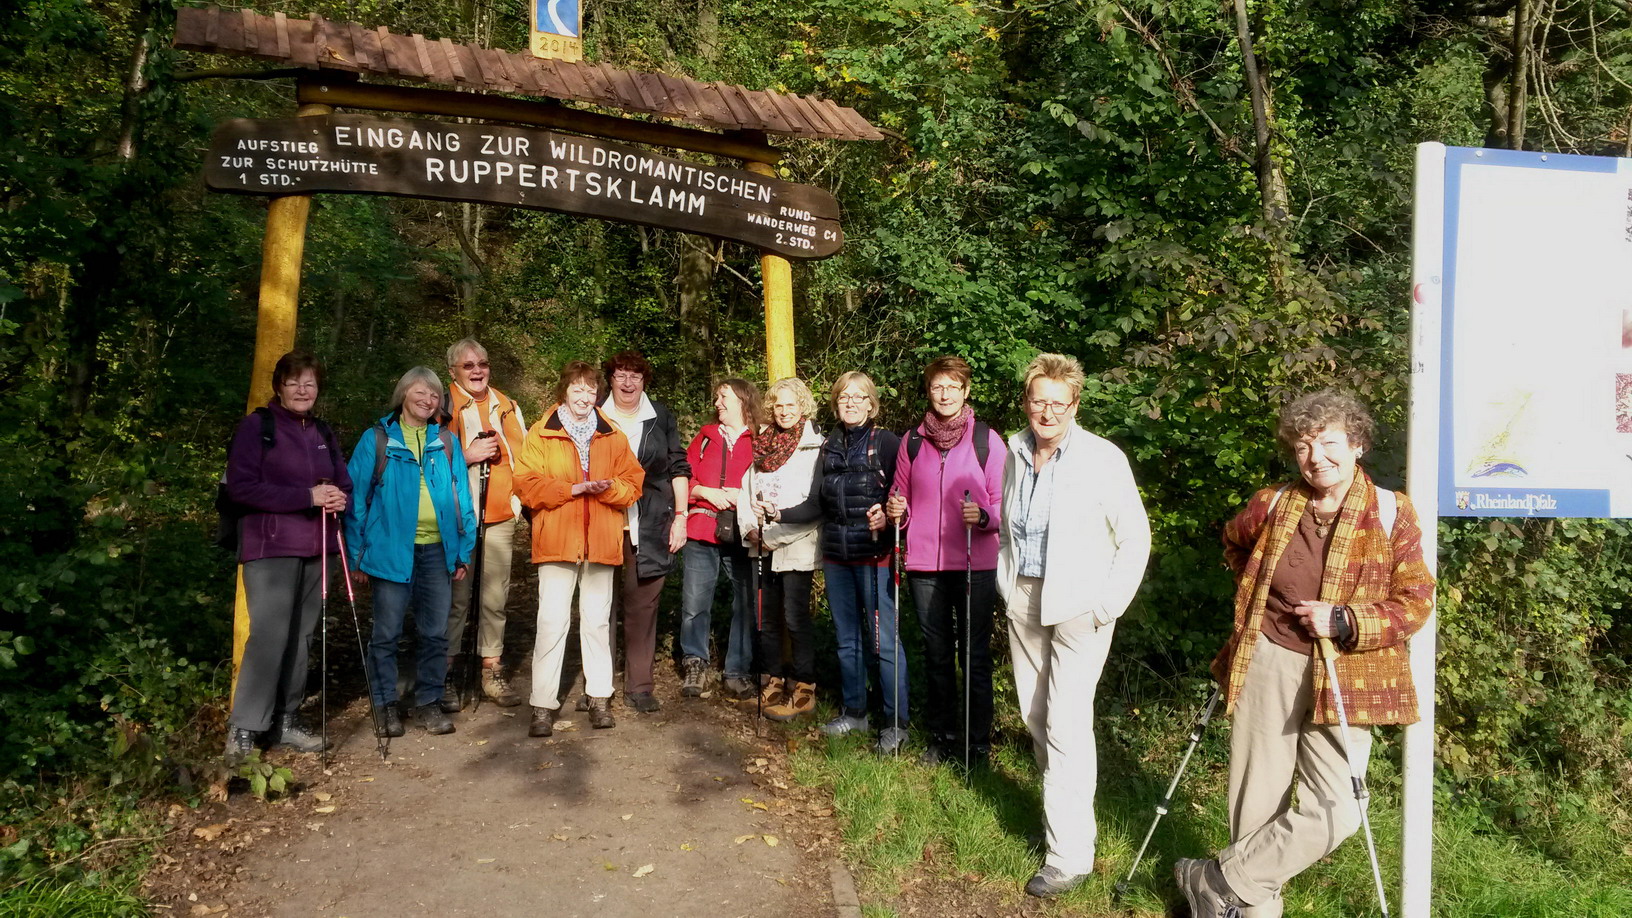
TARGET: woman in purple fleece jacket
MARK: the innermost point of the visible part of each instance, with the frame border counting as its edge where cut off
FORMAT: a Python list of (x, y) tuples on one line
[(947, 498), (284, 483)]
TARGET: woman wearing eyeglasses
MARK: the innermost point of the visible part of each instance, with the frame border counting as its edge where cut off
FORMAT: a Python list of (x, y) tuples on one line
[(947, 498), (1072, 551), (858, 464)]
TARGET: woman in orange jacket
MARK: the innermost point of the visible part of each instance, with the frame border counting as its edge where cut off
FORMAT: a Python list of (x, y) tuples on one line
[(578, 474)]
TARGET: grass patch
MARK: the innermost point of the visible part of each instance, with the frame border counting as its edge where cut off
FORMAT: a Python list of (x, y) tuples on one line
[(46, 898), (905, 824)]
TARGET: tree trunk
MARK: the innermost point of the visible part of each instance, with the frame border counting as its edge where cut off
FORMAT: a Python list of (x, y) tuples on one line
[(698, 321), (1271, 177), (1524, 25)]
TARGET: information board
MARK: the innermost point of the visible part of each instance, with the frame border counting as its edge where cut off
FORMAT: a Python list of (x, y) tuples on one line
[(521, 167), (1536, 335)]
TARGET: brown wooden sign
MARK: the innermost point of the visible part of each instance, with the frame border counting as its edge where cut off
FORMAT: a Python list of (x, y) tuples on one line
[(521, 167)]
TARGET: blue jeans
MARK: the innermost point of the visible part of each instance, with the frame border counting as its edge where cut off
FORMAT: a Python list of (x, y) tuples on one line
[(854, 593), (702, 560), (430, 591)]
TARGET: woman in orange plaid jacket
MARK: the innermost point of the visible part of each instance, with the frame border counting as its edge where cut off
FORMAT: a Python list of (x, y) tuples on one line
[(1330, 556)]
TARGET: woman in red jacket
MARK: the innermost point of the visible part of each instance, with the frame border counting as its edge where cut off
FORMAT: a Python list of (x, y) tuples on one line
[(719, 456)]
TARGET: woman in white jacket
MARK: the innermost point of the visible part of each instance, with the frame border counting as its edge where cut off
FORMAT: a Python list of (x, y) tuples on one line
[(780, 524), (1071, 554)]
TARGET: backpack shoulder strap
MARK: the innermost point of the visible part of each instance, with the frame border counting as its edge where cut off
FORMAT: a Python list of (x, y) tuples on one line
[(446, 436), (915, 442), (1388, 508), (269, 428), (327, 433), (983, 442), (380, 441)]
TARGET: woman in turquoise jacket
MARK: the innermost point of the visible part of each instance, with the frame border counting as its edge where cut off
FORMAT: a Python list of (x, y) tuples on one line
[(410, 530)]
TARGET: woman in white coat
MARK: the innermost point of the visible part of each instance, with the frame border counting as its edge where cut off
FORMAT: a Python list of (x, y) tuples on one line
[(1072, 551)]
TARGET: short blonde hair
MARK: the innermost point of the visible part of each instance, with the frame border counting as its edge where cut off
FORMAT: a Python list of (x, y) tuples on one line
[(1057, 367), (801, 397), (457, 350), (868, 388), (1313, 412)]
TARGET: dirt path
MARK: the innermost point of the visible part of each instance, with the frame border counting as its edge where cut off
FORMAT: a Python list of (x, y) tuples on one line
[(679, 813)]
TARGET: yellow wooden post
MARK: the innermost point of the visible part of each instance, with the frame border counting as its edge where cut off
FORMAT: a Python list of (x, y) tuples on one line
[(281, 252), (776, 273)]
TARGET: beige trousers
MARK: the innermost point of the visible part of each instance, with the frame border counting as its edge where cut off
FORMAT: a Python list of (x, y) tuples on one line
[(498, 543), (556, 583), (1056, 673), (1272, 741)]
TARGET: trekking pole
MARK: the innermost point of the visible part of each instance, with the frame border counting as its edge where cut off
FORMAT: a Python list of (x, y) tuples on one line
[(968, 646), (381, 741), (1167, 798), (756, 573), (323, 614), (473, 609), (1328, 653), (896, 650)]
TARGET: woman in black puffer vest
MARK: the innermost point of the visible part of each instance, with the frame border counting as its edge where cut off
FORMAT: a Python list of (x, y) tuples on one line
[(858, 463)]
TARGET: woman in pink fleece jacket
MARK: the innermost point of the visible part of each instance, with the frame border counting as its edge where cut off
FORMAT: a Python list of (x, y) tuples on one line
[(947, 497)]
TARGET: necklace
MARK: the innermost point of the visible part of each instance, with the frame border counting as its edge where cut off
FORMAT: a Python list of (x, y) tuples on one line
[(1323, 527)]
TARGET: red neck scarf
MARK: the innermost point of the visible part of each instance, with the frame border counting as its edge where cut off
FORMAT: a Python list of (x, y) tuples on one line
[(946, 434), (774, 445)]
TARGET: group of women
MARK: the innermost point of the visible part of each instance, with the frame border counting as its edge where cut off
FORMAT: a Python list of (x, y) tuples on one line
[(1050, 520)]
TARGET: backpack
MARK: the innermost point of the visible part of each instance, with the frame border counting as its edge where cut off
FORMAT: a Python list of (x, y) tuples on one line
[(982, 435), (230, 513), (380, 440)]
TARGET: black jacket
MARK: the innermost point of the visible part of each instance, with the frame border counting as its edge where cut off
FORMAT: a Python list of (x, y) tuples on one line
[(857, 467), (663, 457)]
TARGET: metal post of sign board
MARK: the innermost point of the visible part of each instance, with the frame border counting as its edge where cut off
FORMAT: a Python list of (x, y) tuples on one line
[(776, 274), (282, 251), (1422, 475)]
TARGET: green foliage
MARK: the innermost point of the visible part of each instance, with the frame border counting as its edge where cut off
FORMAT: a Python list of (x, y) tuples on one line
[(266, 781)]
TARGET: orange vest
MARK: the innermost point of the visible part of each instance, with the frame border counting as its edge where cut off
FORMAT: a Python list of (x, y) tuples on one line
[(584, 528), (501, 469)]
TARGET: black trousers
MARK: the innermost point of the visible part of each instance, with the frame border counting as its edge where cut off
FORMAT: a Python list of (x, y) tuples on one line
[(939, 597), (786, 597)]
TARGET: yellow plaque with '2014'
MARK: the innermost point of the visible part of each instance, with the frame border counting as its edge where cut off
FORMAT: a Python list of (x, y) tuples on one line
[(557, 30)]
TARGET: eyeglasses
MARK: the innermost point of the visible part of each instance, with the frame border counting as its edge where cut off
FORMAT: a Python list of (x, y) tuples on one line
[(308, 386), (947, 389), (626, 376), (469, 365), (1047, 407), (848, 399)]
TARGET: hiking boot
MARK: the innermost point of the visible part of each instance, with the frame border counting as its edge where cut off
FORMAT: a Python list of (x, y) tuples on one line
[(453, 700), (288, 733), (890, 740), (691, 684), (1204, 888), (845, 723), (1050, 882), (543, 722), (796, 705), (240, 743), (583, 704), (771, 692), (387, 722), (600, 713), (643, 702), (431, 716), (738, 687), (496, 688)]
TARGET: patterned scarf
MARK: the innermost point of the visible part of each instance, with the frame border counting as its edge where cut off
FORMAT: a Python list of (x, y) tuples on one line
[(581, 433), (774, 445), (946, 434)]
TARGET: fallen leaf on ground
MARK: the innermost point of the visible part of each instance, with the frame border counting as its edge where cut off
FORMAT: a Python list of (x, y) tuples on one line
[(609, 865), (627, 816), (772, 840), (209, 833), (742, 838), (323, 797), (323, 809), (481, 742), (645, 870), (685, 846), (559, 837), (486, 860), (364, 780)]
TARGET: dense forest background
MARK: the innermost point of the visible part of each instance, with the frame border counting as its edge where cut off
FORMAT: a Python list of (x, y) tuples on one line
[(1207, 202)]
